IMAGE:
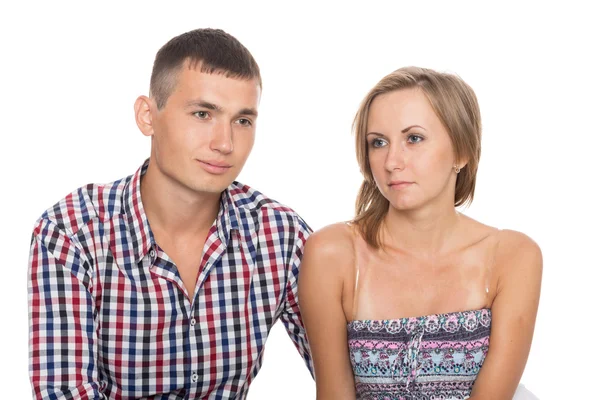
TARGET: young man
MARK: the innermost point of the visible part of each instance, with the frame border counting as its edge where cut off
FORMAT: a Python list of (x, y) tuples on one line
[(165, 284)]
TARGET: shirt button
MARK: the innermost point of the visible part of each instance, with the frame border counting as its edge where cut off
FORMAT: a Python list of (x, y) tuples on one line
[(194, 377), (193, 321), (152, 253)]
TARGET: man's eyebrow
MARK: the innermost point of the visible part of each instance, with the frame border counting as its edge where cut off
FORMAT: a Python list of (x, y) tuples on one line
[(248, 111), (203, 104), (211, 106)]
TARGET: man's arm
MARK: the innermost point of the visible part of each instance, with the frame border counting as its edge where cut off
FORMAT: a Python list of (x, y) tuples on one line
[(291, 313), (62, 332)]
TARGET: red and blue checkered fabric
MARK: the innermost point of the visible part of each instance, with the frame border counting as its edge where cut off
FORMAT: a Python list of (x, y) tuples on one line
[(109, 314)]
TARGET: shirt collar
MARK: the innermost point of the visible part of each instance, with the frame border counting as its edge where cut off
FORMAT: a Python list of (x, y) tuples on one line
[(228, 218), (142, 239)]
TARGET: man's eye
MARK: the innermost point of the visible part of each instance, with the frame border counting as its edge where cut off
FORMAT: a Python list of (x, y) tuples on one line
[(244, 122), (201, 114)]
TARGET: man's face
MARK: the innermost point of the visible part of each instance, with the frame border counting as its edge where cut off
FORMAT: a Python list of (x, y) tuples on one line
[(205, 132)]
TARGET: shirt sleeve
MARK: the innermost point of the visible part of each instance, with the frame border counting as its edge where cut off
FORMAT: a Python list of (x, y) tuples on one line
[(62, 332), (291, 317)]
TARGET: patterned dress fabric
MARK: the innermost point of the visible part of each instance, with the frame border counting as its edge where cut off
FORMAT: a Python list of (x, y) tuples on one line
[(419, 358)]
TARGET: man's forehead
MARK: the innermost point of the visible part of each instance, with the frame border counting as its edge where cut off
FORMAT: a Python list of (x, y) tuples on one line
[(194, 88), (200, 69), (218, 81)]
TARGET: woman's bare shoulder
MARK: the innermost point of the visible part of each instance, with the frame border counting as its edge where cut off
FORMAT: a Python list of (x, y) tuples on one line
[(517, 253), (507, 240), (335, 241), (328, 257), (515, 244)]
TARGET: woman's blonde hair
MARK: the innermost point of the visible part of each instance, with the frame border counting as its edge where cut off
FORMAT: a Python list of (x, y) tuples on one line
[(456, 106)]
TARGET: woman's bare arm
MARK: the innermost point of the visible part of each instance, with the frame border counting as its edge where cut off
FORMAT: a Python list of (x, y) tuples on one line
[(514, 309), (328, 257)]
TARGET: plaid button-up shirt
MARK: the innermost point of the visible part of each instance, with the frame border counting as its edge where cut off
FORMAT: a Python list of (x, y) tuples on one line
[(109, 317)]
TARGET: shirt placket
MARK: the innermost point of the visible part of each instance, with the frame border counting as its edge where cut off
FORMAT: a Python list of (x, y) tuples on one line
[(200, 323), (162, 266)]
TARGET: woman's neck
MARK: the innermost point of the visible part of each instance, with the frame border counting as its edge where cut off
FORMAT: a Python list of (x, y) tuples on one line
[(427, 231)]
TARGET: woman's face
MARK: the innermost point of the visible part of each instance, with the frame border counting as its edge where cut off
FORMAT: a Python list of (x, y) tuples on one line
[(410, 152)]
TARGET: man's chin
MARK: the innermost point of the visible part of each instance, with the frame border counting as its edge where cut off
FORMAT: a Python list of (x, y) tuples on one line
[(205, 183), (211, 187)]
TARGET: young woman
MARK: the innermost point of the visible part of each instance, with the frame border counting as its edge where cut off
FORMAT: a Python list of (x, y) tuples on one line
[(412, 299)]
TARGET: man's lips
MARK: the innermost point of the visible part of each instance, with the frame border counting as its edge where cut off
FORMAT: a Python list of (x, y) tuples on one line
[(214, 167), (216, 163)]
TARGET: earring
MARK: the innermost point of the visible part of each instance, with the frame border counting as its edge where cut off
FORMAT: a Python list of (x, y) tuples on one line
[(456, 168)]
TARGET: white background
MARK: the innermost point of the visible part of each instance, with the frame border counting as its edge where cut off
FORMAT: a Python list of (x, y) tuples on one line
[(70, 73)]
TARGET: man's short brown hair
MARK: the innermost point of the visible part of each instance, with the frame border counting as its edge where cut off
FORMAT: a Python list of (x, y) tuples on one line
[(213, 50)]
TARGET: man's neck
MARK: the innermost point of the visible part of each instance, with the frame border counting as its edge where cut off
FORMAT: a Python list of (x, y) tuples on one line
[(174, 209)]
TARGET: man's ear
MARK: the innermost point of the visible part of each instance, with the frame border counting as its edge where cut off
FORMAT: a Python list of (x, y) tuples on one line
[(143, 114)]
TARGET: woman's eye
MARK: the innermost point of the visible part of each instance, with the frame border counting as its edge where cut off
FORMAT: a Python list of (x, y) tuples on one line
[(414, 139), (378, 142)]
